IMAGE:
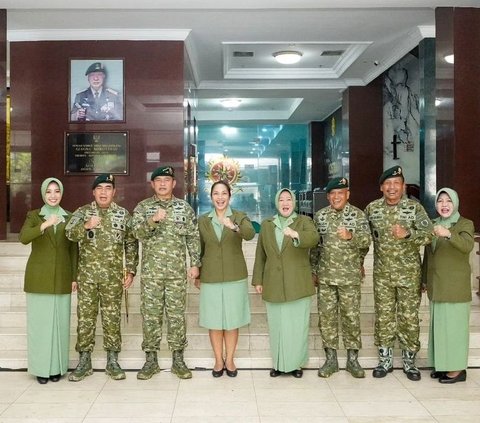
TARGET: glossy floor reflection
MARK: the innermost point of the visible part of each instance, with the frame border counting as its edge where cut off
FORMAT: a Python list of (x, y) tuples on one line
[(253, 396)]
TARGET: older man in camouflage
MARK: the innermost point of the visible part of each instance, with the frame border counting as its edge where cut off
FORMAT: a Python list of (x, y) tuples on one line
[(108, 259), (337, 267), (399, 227), (167, 228)]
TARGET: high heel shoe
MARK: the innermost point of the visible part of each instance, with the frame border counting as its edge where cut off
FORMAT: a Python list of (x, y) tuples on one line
[(231, 373), (42, 380), (217, 373), (298, 373), (275, 373), (436, 375), (461, 377)]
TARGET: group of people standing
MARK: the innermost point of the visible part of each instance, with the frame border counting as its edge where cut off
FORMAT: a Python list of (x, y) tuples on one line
[(95, 252)]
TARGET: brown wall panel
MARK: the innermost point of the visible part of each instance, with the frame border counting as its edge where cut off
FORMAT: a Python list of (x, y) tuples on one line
[(363, 127), (153, 75), (3, 127)]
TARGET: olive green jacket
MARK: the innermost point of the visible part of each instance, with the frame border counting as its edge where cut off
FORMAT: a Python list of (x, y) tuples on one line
[(286, 275), (52, 265), (223, 261), (446, 271)]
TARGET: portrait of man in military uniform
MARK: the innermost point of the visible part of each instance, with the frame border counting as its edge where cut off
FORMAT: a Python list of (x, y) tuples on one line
[(99, 101)]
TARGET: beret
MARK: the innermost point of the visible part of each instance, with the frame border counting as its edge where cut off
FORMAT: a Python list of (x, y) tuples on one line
[(95, 67), (104, 178), (337, 183), (163, 171), (393, 172)]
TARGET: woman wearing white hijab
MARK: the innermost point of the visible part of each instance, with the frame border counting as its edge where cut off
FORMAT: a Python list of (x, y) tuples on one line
[(282, 274), (49, 281), (447, 276)]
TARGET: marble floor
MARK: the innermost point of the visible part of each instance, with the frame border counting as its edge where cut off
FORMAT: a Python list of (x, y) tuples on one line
[(253, 396)]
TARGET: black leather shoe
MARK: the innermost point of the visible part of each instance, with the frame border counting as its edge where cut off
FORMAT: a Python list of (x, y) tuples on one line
[(275, 373), (436, 375), (461, 377), (297, 373), (231, 373), (55, 378), (217, 373), (42, 380)]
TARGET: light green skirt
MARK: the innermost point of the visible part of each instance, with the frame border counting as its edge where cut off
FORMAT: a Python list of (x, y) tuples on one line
[(288, 325), (448, 340), (48, 333), (224, 305)]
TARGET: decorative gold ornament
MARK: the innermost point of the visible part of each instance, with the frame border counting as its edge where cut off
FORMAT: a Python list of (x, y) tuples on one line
[(224, 169)]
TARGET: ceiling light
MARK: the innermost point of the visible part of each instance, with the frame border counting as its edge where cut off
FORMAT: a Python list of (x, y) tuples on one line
[(230, 103), (287, 57), (449, 58)]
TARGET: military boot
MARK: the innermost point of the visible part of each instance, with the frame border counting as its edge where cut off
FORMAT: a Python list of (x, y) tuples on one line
[(409, 367), (150, 367), (113, 369), (83, 369), (331, 363), (179, 367), (353, 366), (385, 363)]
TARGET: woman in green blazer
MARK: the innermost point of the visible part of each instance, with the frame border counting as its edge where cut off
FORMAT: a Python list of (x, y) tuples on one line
[(283, 276), (447, 278), (49, 279), (224, 304)]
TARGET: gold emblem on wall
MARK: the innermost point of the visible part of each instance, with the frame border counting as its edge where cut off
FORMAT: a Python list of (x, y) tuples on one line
[(224, 168)]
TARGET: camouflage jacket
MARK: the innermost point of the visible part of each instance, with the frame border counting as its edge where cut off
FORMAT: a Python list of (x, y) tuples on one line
[(336, 261), (164, 244), (107, 246), (401, 256)]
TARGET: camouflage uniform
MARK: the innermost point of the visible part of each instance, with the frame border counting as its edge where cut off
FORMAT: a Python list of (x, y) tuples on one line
[(100, 271), (163, 276), (396, 271), (338, 263)]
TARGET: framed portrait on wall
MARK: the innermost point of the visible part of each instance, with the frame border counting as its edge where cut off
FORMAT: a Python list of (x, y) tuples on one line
[(97, 91)]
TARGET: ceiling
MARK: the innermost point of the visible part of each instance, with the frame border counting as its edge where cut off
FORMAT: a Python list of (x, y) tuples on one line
[(230, 45)]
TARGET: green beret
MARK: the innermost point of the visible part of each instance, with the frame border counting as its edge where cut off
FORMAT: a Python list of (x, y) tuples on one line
[(95, 67), (393, 172), (104, 178), (163, 171), (337, 183)]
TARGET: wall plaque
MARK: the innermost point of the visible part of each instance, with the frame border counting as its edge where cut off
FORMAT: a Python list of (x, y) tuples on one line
[(96, 152)]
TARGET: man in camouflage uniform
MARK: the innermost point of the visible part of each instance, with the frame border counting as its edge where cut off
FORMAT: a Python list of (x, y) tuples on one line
[(105, 240), (399, 227), (337, 268), (167, 227)]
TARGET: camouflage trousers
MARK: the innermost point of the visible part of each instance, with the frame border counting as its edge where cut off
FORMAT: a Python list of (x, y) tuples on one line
[(339, 304), (107, 294), (161, 296), (397, 301)]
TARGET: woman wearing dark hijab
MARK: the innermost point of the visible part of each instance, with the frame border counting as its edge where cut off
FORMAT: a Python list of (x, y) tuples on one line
[(49, 281), (447, 274), (282, 274)]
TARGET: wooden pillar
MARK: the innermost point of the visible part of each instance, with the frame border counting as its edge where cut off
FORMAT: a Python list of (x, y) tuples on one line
[(362, 120), (458, 114)]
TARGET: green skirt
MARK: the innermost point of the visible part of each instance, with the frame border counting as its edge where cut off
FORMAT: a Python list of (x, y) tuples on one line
[(48, 334), (224, 305), (448, 340), (288, 325)]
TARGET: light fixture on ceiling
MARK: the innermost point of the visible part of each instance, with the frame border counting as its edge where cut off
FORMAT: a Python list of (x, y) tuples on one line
[(230, 103), (287, 57), (449, 58)]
